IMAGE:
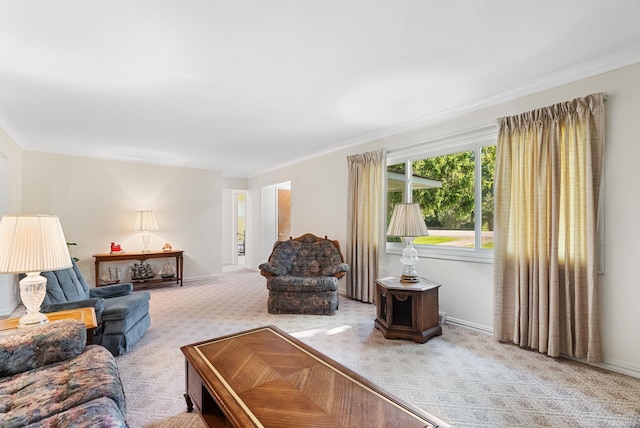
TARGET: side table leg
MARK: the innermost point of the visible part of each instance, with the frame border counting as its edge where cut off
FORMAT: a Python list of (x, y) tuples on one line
[(189, 402), (90, 334)]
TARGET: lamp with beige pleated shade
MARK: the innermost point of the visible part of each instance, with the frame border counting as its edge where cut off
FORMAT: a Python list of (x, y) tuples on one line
[(32, 244), (145, 222), (407, 223)]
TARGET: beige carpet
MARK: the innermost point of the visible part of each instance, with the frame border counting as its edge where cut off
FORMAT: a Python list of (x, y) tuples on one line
[(464, 377)]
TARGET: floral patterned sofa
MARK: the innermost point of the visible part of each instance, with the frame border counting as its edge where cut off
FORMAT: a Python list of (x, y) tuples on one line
[(303, 275), (50, 378)]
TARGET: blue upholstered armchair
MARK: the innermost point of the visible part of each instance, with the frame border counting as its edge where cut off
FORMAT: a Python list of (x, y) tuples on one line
[(122, 314), (303, 275)]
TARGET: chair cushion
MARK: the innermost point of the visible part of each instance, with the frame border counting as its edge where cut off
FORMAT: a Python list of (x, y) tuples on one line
[(124, 307), (323, 303), (120, 336), (26, 349), (273, 268), (114, 290), (101, 412), (37, 394), (66, 285), (303, 284)]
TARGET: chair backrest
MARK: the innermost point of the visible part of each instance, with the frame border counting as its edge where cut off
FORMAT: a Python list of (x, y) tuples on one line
[(66, 285), (307, 255)]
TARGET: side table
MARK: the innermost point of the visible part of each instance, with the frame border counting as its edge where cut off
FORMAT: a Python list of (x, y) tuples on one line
[(407, 310), (86, 315)]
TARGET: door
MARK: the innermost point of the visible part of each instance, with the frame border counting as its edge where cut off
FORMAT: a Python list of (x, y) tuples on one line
[(275, 210), (284, 214)]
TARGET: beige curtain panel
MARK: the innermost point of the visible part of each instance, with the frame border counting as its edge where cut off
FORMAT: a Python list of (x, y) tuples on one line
[(366, 238), (547, 185)]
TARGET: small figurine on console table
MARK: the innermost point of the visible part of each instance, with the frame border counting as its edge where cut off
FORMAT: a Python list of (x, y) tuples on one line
[(116, 249)]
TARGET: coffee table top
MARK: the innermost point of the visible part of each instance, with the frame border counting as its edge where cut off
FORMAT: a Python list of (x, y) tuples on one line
[(86, 315), (267, 378)]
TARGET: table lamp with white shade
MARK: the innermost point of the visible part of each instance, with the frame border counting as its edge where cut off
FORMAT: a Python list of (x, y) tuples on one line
[(407, 223), (32, 244), (145, 222)]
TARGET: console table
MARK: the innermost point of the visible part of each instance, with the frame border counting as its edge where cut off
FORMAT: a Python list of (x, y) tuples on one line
[(117, 257), (407, 310)]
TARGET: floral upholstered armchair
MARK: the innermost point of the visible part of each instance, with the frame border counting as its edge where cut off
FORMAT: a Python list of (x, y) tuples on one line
[(303, 275)]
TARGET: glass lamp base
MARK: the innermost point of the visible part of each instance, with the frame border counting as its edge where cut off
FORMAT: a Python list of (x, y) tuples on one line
[(145, 242), (411, 279), (409, 259), (32, 319), (33, 288)]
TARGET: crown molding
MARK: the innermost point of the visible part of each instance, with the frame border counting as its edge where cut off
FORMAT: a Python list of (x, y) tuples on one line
[(12, 131), (552, 80)]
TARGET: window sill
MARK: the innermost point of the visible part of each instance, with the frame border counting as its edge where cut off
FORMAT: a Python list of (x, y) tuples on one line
[(446, 253)]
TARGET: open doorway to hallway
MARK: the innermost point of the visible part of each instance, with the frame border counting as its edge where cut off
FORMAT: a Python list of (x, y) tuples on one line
[(276, 215), (240, 202)]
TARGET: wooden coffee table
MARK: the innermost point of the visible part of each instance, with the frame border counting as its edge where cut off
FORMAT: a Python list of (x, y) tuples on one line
[(267, 378)]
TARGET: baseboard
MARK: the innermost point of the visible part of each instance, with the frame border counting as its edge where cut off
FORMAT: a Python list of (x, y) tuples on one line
[(202, 277), (612, 366), (467, 324)]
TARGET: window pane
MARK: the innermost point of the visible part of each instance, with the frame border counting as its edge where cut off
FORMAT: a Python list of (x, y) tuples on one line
[(396, 180), (488, 170), (445, 188), (450, 208)]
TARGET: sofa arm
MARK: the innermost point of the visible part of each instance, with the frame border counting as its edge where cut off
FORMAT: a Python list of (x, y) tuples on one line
[(114, 290), (96, 303), (272, 269), (26, 349), (338, 270)]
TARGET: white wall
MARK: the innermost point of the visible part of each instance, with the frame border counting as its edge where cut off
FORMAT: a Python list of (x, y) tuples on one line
[(319, 206), (10, 201), (96, 201)]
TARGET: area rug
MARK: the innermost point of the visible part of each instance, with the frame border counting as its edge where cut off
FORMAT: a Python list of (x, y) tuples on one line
[(463, 377)]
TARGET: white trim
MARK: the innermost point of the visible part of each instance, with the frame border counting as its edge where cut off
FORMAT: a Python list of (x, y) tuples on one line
[(445, 253), (12, 131), (467, 324), (616, 367), (445, 144)]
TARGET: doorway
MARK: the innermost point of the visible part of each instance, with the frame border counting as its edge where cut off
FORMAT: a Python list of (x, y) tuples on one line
[(276, 215), (284, 213), (240, 202)]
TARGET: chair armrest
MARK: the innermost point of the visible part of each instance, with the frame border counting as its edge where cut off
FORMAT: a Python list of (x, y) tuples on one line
[(96, 303), (272, 269), (30, 348), (114, 290), (336, 270)]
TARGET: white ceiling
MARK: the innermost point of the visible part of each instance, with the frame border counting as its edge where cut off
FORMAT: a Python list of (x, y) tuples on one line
[(245, 86)]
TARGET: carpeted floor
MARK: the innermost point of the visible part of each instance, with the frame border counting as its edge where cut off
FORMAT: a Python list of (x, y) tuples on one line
[(464, 377)]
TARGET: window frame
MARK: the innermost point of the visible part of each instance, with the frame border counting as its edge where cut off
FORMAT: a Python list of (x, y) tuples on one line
[(473, 139)]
